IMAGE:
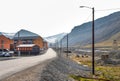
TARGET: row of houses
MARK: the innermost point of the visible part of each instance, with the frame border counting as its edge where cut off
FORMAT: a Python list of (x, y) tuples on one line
[(23, 41)]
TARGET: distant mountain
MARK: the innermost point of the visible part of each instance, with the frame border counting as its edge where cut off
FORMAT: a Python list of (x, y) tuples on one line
[(8, 35), (105, 28), (55, 38)]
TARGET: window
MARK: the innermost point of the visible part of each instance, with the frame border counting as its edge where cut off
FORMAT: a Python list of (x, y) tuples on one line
[(29, 41)]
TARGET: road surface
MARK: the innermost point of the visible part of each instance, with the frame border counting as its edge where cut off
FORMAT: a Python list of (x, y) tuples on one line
[(10, 67)]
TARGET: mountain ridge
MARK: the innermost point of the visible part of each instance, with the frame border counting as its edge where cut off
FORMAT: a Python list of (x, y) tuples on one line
[(105, 28)]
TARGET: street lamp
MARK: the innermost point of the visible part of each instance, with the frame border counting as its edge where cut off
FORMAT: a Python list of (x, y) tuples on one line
[(61, 47), (93, 37), (67, 45)]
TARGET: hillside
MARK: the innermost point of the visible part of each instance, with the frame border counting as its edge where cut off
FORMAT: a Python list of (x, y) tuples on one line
[(109, 42), (107, 29)]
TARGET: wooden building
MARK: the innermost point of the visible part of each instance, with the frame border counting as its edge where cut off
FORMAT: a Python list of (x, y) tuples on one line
[(45, 44), (28, 38), (24, 41), (5, 42), (28, 49)]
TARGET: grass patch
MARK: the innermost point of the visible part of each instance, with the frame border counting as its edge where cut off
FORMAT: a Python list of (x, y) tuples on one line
[(110, 73), (78, 78), (82, 60)]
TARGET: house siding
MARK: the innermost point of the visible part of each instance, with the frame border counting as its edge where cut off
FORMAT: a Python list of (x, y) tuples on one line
[(5, 42), (39, 41), (45, 45), (29, 49)]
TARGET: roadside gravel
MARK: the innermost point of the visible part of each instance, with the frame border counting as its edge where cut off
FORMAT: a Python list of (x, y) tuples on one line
[(61, 68)]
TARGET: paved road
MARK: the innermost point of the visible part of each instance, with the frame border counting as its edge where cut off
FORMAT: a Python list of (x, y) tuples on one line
[(10, 67)]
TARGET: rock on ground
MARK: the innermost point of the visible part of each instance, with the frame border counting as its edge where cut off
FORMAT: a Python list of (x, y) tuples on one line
[(60, 69)]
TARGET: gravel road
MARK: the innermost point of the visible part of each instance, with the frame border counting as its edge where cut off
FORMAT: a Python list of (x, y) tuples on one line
[(56, 69), (30, 74), (10, 67)]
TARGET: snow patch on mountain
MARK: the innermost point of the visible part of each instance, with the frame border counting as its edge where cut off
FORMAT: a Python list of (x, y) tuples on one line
[(55, 38)]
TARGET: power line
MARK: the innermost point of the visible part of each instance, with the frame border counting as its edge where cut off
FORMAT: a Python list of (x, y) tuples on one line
[(109, 9), (100, 10), (88, 17)]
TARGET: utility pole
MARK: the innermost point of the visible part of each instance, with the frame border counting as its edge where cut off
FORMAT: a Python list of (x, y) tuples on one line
[(61, 47), (67, 45), (93, 41), (93, 38), (19, 43)]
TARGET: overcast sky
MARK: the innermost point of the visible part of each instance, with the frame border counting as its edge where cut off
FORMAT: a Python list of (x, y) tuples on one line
[(50, 17)]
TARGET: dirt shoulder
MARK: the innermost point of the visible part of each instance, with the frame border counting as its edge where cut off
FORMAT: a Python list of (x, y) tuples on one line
[(30, 74)]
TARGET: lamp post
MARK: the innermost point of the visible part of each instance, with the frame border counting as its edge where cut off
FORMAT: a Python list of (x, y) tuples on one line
[(61, 47), (67, 45), (18, 49), (93, 37)]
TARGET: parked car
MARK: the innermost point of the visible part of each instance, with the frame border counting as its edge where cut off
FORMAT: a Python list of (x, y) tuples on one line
[(4, 53)]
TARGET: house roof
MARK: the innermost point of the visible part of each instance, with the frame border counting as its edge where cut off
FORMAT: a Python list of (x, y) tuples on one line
[(26, 45), (8, 35), (25, 34)]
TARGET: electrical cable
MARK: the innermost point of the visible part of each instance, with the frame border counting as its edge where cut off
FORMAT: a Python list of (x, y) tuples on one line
[(109, 9)]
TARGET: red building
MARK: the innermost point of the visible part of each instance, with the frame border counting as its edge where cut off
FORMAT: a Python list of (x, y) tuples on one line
[(27, 37), (28, 49), (5, 42), (28, 42), (45, 44)]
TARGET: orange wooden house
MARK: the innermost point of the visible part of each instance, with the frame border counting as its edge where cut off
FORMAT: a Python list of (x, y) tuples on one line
[(28, 49), (45, 44), (24, 37), (5, 42)]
